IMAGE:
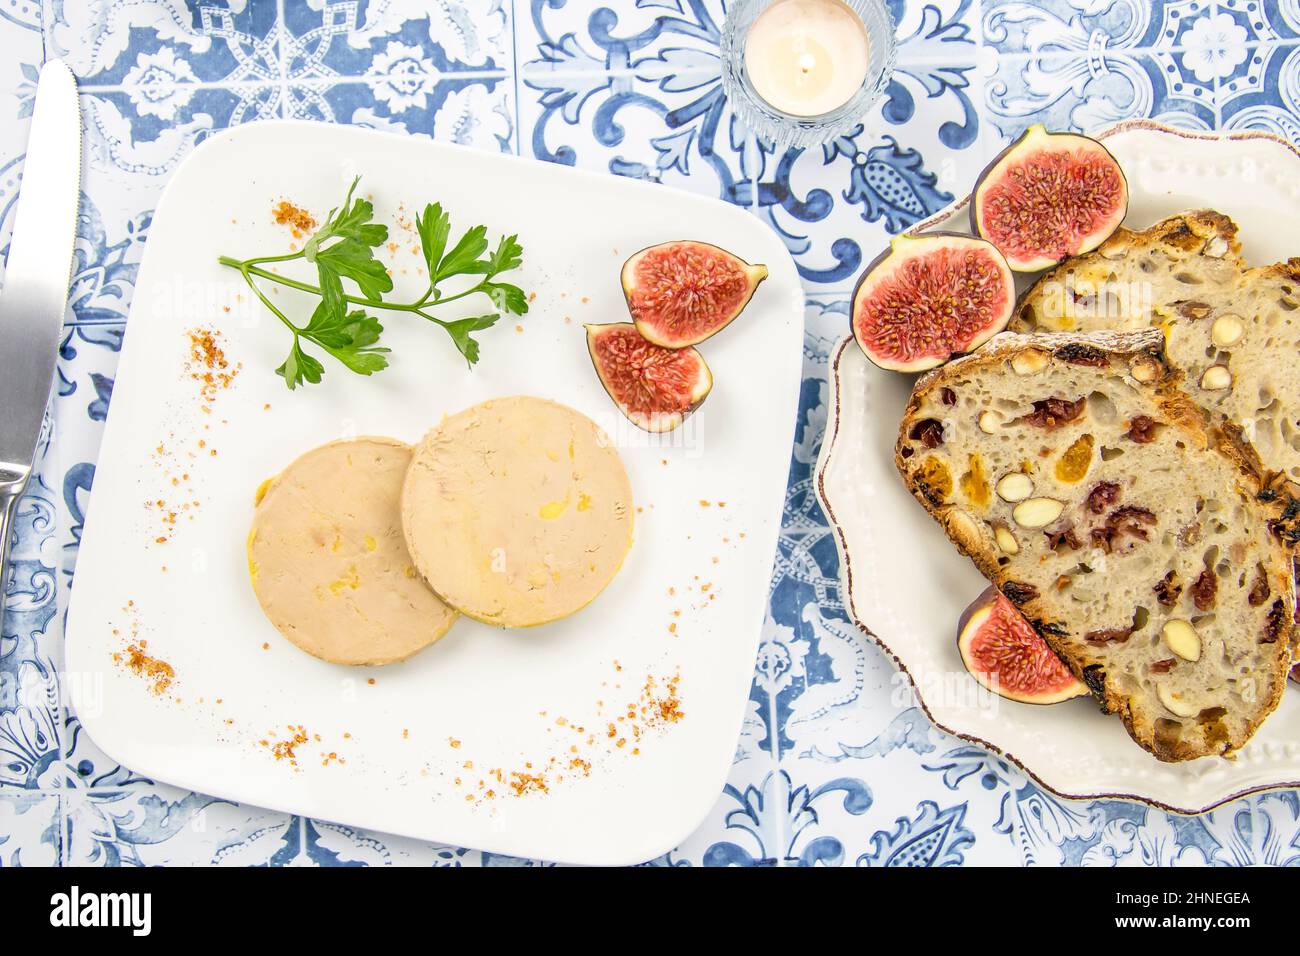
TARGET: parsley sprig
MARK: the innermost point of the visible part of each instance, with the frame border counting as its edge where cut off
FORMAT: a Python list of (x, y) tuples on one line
[(343, 250)]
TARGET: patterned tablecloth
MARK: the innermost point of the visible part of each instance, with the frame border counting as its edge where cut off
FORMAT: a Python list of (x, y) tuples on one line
[(835, 764)]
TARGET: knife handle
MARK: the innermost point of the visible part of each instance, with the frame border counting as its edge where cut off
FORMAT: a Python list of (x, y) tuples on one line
[(12, 483)]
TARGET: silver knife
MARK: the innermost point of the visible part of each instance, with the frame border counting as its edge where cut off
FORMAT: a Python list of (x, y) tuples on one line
[(36, 279)]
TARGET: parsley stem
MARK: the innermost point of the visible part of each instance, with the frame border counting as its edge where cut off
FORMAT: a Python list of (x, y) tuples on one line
[(287, 257), (245, 267), (248, 269), (267, 302), (459, 295), (431, 318)]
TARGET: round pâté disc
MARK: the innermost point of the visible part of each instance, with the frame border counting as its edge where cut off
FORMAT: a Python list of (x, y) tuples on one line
[(517, 511), (328, 560)]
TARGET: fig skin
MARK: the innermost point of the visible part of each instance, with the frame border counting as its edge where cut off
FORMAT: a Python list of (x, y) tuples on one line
[(662, 421), (976, 615), (1038, 135), (906, 246), (755, 274)]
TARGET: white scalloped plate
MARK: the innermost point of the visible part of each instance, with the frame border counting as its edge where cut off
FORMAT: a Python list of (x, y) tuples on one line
[(907, 585)]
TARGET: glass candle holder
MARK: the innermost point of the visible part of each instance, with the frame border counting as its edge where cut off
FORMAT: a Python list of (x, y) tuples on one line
[(832, 67)]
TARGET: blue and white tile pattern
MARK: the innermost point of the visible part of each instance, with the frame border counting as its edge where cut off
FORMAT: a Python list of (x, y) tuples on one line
[(836, 765)]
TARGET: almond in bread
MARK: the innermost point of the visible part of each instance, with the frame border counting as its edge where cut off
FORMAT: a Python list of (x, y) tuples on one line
[(1234, 331), (1141, 543)]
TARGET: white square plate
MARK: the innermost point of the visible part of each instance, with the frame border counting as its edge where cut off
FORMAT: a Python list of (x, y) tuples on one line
[(907, 584), (499, 700)]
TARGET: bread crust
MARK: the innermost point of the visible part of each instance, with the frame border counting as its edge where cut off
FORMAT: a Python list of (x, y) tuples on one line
[(976, 542), (1196, 236), (1180, 236)]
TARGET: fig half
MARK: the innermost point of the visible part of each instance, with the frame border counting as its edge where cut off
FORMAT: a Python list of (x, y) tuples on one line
[(680, 293), (1049, 196), (654, 387), (928, 298), (1005, 654)]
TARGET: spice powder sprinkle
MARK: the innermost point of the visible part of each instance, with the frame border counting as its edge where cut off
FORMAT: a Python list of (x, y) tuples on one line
[(208, 364), (137, 659), (299, 220)]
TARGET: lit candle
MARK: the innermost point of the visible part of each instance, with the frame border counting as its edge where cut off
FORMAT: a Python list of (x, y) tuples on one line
[(807, 57)]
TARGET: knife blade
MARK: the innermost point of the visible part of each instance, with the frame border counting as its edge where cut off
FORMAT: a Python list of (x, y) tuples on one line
[(35, 292)]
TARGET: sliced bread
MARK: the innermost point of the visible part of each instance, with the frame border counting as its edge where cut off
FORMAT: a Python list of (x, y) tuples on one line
[(1234, 331), (1143, 544)]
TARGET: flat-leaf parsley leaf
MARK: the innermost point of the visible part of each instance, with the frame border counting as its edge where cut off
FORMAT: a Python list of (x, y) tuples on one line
[(343, 251)]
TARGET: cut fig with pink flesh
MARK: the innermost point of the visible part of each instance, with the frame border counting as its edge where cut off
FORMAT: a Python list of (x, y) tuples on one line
[(930, 297), (1049, 196), (680, 293), (1005, 654), (654, 387)]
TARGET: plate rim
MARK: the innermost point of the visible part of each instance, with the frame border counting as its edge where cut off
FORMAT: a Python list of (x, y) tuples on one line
[(1125, 126), (826, 454), (736, 723)]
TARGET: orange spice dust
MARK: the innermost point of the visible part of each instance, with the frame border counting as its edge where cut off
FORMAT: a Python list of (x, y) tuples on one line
[(298, 745), (298, 220), (287, 749), (525, 783), (176, 457), (662, 706), (656, 707), (208, 364), (138, 661)]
